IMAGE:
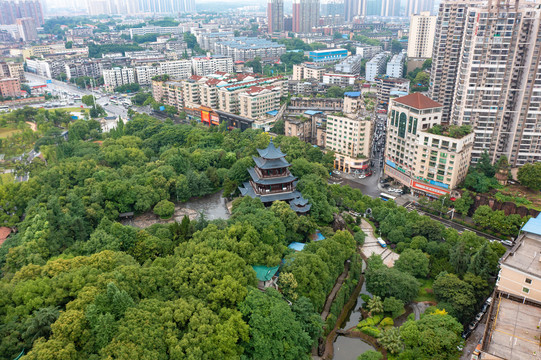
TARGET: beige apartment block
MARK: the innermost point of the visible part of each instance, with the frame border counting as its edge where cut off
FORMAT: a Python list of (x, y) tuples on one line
[(308, 71), (420, 153), (257, 101), (350, 136)]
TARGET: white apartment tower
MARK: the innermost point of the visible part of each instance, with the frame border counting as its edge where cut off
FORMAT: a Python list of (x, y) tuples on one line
[(498, 85), (421, 35)]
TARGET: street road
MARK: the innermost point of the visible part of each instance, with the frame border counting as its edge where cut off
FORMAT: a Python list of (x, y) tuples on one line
[(56, 86)]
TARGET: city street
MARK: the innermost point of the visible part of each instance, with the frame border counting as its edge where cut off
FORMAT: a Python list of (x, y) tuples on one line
[(59, 86)]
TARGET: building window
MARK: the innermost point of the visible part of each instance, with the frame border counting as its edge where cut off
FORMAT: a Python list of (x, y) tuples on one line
[(528, 281), (526, 290)]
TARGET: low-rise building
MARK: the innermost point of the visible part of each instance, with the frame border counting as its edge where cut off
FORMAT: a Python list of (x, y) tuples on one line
[(353, 102), (116, 77), (318, 104), (422, 154), (342, 80), (90, 67), (10, 87), (327, 55), (350, 65), (203, 66), (174, 30), (368, 51), (248, 48), (350, 137), (257, 101), (308, 71), (376, 66), (395, 67), (385, 85), (512, 330), (12, 70)]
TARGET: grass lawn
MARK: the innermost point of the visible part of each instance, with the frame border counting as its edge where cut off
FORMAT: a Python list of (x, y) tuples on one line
[(7, 132), (425, 295), (6, 178), (70, 109)]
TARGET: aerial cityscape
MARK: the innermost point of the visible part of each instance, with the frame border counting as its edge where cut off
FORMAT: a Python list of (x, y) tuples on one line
[(304, 179)]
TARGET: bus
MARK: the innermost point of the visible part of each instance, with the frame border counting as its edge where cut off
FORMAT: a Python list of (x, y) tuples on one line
[(386, 197), (382, 243)]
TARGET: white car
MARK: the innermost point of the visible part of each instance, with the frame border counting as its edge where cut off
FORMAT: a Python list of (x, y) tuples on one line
[(337, 172), (507, 242)]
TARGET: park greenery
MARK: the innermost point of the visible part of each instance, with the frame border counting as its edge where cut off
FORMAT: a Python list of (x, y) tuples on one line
[(77, 283)]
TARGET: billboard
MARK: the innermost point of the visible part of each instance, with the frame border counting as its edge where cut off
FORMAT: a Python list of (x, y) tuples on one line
[(205, 116), (428, 188), (214, 119)]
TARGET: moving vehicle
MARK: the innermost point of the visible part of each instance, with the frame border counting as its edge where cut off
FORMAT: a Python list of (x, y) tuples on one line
[(386, 197), (382, 243)]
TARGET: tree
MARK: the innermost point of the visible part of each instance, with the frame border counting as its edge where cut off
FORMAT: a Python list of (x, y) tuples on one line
[(391, 341), (275, 333), (375, 305), (396, 46), (464, 203), (39, 325), (484, 165), (414, 262), (529, 175), (370, 355), (88, 100), (450, 289), (68, 44), (164, 209), (435, 336), (384, 282), (255, 64), (393, 306)]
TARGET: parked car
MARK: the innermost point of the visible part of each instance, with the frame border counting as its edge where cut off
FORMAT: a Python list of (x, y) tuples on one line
[(466, 334), (489, 300), (507, 242), (485, 307), (479, 316), (473, 325)]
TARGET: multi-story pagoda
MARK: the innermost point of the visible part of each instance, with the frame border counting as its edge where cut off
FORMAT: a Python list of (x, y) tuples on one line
[(272, 180)]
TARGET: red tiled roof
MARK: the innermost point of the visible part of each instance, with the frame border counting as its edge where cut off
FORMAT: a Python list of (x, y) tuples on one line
[(213, 81), (4, 233), (196, 77), (418, 101)]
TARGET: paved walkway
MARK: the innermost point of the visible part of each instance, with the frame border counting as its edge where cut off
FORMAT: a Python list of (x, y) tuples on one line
[(334, 291), (371, 246)]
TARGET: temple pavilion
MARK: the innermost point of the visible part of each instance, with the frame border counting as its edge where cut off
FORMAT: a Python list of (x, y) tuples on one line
[(271, 180)]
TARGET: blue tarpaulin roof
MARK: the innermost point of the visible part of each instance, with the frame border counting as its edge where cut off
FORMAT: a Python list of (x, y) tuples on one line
[(297, 246), (312, 112), (533, 225), (273, 112), (264, 273), (353, 93)]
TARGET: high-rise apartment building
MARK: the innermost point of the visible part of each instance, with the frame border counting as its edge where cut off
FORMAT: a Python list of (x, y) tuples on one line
[(494, 67), (414, 7), (305, 15), (275, 15), (354, 8), (421, 35), (27, 29), (498, 88), (447, 51), (10, 11)]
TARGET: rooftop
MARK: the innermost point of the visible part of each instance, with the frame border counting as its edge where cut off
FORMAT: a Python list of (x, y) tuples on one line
[(271, 152), (418, 101), (453, 131), (533, 225), (514, 335), (264, 273), (525, 255)]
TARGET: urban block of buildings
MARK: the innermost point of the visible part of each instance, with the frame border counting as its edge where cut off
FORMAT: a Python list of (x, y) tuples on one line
[(395, 66), (327, 55), (248, 48), (350, 65)]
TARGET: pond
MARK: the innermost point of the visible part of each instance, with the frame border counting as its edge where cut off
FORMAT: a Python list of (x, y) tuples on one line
[(349, 348), (213, 206)]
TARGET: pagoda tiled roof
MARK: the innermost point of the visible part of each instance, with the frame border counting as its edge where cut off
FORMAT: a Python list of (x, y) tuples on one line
[(247, 190), (303, 209), (300, 201), (271, 152), (270, 181), (270, 163)]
